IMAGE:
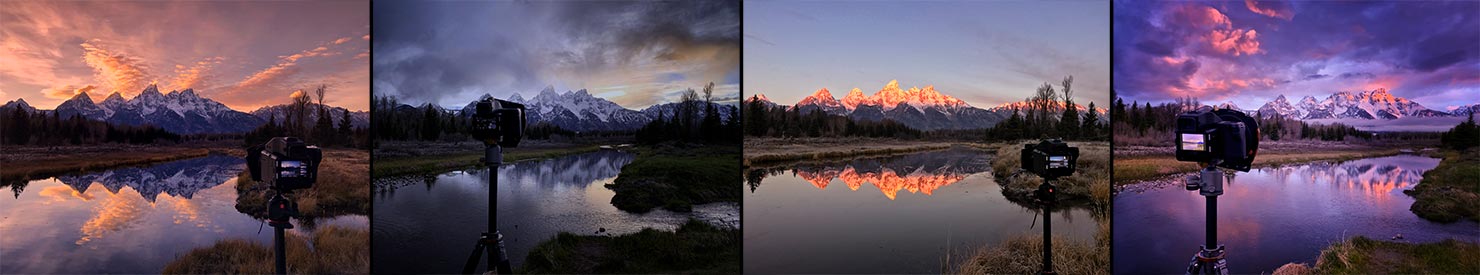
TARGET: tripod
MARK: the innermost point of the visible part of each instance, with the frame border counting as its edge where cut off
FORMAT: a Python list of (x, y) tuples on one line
[(1210, 258), (1046, 199), (498, 261), (279, 210)]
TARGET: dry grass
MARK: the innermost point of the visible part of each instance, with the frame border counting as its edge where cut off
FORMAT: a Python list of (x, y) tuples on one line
[(26, 163), (336, 251), (1361, 255), (1024, 255), (764, 151), (343, 188), (1091, 182)]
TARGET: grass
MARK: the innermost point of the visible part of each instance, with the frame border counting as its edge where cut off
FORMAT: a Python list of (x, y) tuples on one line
[(336, 250), (1361, 255), (1449, 192), (1023, 254), (676, 177), (696, 247), (1090, 183), (343, 188), (1139, 168), (27, 163), (770, 151), (437, 163)]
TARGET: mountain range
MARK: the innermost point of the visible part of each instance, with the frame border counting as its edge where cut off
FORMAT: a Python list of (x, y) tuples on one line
[(180, 112), (580, 111), (1374, 104), (919, 108)]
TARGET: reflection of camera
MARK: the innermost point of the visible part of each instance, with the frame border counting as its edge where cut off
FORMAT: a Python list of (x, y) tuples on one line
[(284, 163), (1050, 158), (498, 122), (1224, 137)]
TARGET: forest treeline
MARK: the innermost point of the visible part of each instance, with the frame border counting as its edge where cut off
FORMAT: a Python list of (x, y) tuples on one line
[(23, 127), (1039, 119), (322, 132), (695, 120), (1139, 120)]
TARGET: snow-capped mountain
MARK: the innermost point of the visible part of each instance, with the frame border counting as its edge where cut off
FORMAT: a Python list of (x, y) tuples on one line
[(919, 108), (762, 99), (1055, 107), (580, 111), (1465, 110), (181, 112), (359, 119), (10, 106), (1375, 104)]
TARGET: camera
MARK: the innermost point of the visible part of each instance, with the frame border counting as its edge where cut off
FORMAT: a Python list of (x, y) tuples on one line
[(284, 163), (1050, 158), (1225, 138), (498, 122)]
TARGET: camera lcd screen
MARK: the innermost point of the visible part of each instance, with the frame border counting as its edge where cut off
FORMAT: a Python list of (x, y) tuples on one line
[(1194, 142), (291, 169), (1056, 162)]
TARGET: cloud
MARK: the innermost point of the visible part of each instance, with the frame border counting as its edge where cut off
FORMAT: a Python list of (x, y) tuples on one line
[(341, 40), (1235, 42), (196, 75), (446, 53), (118, 71), (1276, 9), (68, 91)]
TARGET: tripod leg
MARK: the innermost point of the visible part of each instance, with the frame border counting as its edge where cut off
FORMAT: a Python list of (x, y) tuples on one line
[(280, 247), (472, 263), (503, 258)]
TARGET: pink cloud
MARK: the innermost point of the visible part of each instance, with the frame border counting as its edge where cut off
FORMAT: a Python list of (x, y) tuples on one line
[(195, 76), (68, 91), (1274, 9), (120, 72), (1235, 42), (341, 40)]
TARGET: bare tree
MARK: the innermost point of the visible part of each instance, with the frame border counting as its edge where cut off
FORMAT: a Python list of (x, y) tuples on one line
[(320, 93), (1068, 93), (298, 111)]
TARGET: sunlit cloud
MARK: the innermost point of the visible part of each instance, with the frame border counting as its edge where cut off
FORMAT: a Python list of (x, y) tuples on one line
[(118, 71), (69, 91)]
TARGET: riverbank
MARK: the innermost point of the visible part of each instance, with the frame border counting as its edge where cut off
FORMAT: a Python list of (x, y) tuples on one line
[(1361, 255), (760, 152), (1134, 164), (677, 176), (1023, 254), (1090, 183), (343, 188), (1448, 192), (24, 163), (402, 158), (335, 250), (695, 247)]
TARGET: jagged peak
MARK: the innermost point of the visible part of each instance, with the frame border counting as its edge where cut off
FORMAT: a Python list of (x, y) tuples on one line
[(855, 92), (114, 96), (892, 85), (189, 92), (82, 96), (1280, 98), (582, 93), (822, 93), (759, 96)]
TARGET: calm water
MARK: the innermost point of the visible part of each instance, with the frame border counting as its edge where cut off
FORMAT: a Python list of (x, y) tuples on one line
[(1273, 216), (429, 224), (128, 220), (900, 214)]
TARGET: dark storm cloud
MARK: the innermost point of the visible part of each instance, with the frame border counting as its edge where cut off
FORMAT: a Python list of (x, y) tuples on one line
[(1415, 49), (450, 52)]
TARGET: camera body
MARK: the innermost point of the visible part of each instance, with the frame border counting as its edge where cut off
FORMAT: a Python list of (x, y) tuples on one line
[(498, 122), (1050, 158), (1225, 138), (285, 163)]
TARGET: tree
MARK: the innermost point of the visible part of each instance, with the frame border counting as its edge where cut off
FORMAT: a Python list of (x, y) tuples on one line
[(709, 128), (346, 132), (1462, 136), (1069, 120), (1091, 125), (430, 126)]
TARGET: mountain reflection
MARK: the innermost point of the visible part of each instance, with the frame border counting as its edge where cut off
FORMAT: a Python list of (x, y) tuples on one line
[(181, 178), (916, 173), (582, 169)]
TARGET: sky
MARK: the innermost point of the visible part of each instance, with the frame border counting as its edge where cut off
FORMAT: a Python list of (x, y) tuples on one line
[(1251, 52), (983, 52), (635, 54), (245, 55)]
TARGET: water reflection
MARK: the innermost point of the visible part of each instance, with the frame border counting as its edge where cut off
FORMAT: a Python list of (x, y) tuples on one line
[(428, 224), (799, 221), (126, 220), (1272, 216)]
